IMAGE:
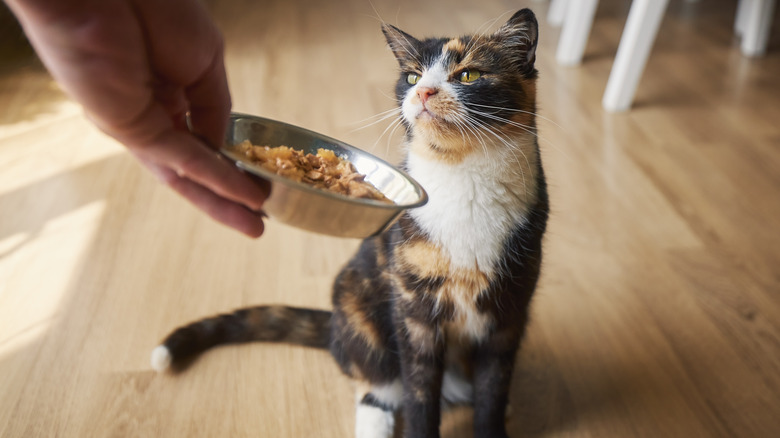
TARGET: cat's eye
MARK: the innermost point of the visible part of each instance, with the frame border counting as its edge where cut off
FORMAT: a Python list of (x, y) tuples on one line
[(469, 75), (412, 78)]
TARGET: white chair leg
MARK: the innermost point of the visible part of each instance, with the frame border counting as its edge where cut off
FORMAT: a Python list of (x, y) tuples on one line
[(576, 28), (557, 12), (743, 6), (758, 22), (644, 18)]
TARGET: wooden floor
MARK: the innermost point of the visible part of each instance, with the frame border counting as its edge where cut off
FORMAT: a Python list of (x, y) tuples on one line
[(658, 314)]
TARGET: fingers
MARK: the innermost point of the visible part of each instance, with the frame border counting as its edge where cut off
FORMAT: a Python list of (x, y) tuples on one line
[(188, 157), (226, 212), (137, 66), (209, 102), (173, 99), (96, 52), (182, 38), (172, 29)]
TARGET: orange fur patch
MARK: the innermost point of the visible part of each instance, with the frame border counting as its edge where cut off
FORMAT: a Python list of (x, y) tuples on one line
[(421, 335), (423, 259), (454, 45), (381, 260), (359, 321), (448, 155), (460, 290)]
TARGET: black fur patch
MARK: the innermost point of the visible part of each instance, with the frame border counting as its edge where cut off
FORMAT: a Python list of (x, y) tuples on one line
[(370, 400)]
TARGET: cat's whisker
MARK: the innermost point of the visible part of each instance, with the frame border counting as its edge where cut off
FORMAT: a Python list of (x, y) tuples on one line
[(483, 30), (377, 18), (535, 114), (393, 99), (498, 135), (406, 45), (473, 47), (477, 135), (460, 129), (461, 126), (396, 124), (378, 15), (501, 119), (528, 129), (525, 128), (393, 123), (504, 139), (510, 146), (372, 124), (379, 114), (482, 138), (381, 117)]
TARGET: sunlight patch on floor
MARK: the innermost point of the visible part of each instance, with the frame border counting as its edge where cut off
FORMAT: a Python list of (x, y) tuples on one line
[(49, 149), (55, 112), (34, 278)]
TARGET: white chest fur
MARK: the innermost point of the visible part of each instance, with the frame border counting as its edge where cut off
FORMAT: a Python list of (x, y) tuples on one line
[(473, 205)]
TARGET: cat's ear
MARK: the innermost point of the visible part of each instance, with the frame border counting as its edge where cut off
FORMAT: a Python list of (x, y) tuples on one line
[(403, 45), (520, 35)]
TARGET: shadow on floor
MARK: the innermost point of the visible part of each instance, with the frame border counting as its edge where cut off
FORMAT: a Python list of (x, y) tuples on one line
[(25, 85)]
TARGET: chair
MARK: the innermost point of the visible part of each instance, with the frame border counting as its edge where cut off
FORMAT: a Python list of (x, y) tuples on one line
[(753, 22)]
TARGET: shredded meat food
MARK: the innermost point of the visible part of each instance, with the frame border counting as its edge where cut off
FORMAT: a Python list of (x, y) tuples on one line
[(323, 171)]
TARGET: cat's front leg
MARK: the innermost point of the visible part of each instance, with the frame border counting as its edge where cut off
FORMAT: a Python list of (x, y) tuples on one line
[(493, 364), (422, 367)]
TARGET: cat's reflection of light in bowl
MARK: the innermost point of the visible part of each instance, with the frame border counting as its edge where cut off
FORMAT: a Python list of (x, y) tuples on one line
[(302, 206)]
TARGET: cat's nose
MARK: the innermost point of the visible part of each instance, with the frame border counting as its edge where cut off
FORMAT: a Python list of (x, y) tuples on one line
[(426, 92)]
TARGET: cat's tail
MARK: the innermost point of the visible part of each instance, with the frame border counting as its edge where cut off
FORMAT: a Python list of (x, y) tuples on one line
[(292, 325)]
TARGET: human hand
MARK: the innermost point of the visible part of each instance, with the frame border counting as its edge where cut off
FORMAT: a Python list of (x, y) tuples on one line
[(138, 67)]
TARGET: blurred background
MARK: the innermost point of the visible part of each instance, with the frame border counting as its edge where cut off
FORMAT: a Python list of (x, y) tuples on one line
[(658, 312)]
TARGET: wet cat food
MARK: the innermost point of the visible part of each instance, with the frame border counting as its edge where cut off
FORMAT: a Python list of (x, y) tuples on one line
[(325, 170)]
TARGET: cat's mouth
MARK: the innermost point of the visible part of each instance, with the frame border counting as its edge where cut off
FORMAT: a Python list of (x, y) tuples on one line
[(426, 114), (433, 122), (431, 115)]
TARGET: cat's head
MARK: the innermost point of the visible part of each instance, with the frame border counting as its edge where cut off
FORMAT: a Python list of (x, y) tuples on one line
[(461, 94)]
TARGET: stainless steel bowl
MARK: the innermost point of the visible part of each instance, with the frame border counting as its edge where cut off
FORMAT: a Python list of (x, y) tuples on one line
[(320, 211)]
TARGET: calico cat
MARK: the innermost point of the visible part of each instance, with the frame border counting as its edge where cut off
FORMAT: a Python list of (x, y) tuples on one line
[(433, 310)]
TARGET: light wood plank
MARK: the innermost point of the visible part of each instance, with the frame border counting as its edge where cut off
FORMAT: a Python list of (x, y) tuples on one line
[(658, 313)]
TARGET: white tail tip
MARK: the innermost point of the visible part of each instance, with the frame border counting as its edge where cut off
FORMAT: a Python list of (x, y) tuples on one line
[(161, 358)]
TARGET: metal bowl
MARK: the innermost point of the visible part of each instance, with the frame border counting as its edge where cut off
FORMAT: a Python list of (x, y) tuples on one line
[(302, 206)]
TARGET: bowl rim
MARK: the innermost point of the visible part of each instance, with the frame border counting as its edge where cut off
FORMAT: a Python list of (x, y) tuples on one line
[(267, 174)]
